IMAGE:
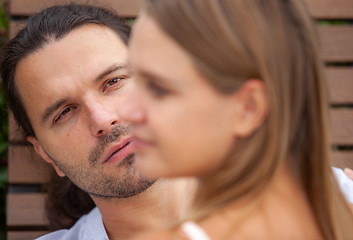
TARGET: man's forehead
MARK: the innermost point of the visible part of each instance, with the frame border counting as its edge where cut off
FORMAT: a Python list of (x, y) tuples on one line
[(91, 45)]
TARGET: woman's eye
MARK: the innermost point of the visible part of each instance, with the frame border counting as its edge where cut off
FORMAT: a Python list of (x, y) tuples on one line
[(157, 90), (63, 113)]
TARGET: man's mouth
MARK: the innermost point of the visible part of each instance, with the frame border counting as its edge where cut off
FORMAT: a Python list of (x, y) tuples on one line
[(119, 151)]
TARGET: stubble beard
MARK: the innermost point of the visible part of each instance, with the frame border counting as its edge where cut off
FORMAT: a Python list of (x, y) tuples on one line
[(91, 178)]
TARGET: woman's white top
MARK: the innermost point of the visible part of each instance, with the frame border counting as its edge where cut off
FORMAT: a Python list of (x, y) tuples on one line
[(345, 183), (193, 231)]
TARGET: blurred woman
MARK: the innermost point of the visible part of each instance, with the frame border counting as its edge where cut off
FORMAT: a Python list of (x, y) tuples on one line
[(232, 92)]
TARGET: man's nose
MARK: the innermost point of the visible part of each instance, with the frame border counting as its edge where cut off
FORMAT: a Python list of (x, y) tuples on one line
[(102, 119)]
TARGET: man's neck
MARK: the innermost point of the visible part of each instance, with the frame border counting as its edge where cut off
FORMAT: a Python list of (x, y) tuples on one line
[(160, 206)]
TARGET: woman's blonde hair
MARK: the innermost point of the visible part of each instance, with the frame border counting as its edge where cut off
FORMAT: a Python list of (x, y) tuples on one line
[(231, 41)]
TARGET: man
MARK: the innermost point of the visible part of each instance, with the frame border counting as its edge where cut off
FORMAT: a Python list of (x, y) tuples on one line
[(66, 77)]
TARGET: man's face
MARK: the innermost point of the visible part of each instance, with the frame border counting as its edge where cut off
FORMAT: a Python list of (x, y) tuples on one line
[(72, 90)]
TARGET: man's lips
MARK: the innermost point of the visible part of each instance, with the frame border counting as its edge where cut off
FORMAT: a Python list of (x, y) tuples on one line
[(119, 151)]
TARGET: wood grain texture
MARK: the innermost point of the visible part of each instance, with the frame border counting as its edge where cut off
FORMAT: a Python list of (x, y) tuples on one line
[(24, 235), (16, 134), (25, 166), (124, 8), (340, 84), (25, 209), (341, 126), (342, 159), (321, 9), (330, 9), (15, 27), (337, 43)]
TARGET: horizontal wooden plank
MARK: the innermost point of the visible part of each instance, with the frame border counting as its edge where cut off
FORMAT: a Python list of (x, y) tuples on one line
[(25, 209), (321, 9), (336, 43), (27, 167), (341, 126), (342, 159), (124, 8), (24, 235), (15, 27), (16, 134), (340, 84), (330, 9)]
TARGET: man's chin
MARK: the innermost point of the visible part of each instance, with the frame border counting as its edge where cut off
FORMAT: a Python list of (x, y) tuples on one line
[(123, 192), (122, 181), (128, 161)]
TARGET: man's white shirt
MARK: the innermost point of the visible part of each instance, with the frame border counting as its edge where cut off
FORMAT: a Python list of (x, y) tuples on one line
[(88, 227)]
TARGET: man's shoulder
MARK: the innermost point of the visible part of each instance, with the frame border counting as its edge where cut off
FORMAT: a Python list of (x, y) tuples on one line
[(89, 226)]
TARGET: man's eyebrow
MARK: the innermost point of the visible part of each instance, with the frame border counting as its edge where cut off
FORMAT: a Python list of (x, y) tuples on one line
[(52, 108), (111, 69)]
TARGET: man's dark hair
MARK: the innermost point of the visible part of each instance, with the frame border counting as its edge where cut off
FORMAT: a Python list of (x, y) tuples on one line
[(66, 202), (53, 23)]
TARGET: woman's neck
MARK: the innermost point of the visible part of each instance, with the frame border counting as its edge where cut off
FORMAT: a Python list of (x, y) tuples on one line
[(280, 211)]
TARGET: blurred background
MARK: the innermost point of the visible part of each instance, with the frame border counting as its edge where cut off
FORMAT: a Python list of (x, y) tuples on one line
[(4, 26)]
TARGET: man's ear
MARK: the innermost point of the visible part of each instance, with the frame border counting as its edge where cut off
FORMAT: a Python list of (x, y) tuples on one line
[(44, 155), (252, 107)]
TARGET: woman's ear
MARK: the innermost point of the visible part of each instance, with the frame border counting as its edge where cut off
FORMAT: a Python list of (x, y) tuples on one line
[(252, 107), (38, 148)]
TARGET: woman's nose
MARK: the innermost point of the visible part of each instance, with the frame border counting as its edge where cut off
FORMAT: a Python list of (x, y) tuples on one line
[(132, 110)]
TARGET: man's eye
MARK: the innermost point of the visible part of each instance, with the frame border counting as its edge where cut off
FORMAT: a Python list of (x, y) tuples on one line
[(113, 82), (63, 113)]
